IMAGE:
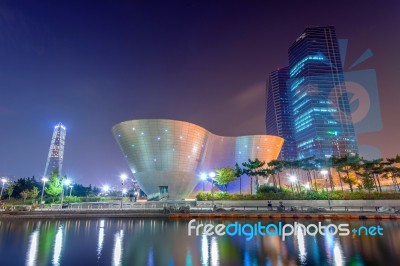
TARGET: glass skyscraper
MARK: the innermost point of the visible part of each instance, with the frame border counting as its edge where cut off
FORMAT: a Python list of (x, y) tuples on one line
[(56, 151), (319, 107), (279, 112)]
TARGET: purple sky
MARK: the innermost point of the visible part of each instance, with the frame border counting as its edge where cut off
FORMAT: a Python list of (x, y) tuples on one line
[(91, 66)]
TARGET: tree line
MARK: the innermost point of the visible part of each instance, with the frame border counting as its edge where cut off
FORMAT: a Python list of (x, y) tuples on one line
[(352, 170), (31, 188)]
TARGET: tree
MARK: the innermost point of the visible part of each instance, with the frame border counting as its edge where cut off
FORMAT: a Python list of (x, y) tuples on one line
[(276, 167), (347, 164), (24, 194), (391, 170), (54, 186), (238, 172), (369, 172), (34, 193), (10, 189), (254, 168), (225, 175), (23, 184)]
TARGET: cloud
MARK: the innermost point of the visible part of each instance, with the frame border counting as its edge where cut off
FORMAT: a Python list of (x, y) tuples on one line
[(250, 96)]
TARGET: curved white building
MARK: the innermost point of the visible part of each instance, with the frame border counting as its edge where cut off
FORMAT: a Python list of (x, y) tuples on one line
[(168, 155)]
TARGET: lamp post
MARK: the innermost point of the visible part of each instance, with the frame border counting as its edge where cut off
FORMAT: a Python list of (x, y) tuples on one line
[(44, 179), (70, 190), (324, 173), (106, 188), (3, 180), (292, 180), (212, 175), (65, 182), (123, 178), (203, 177)]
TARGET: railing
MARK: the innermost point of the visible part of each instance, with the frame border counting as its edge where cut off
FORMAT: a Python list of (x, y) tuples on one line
[(155, 206)]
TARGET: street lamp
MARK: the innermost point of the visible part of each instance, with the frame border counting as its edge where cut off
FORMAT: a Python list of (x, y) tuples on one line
[(123, 178), (106, 188), (324, 173), (3, 180), (203, 177), (212, 175), (65, 182), (44, 180), (292, 180)]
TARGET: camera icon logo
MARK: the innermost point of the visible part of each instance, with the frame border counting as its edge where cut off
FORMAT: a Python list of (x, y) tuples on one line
[(362, 93)]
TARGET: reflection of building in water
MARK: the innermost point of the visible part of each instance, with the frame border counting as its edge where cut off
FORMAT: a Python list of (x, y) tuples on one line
[(100, 241), (117, 252), (58, 246), (31, 256), (167, 243)]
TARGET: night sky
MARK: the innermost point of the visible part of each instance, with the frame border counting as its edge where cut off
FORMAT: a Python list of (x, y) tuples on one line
[(93, 64)]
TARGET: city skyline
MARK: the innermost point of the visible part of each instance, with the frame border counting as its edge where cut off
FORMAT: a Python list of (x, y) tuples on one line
[(189, 62)]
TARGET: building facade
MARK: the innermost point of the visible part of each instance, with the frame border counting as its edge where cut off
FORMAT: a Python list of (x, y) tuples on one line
[(279, 116), (56, 151), (168, 156), (320, 111)]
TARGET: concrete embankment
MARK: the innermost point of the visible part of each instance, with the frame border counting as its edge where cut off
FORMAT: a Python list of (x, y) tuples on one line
[(229, 215)]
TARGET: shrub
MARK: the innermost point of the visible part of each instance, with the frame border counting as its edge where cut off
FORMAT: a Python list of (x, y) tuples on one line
[(72, 199), (93, 199), (268, 189)]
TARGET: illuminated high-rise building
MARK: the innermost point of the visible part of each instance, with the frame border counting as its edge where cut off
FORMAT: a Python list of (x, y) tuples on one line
[(279, 117), (322, 120), (307, 102), (56, 152)]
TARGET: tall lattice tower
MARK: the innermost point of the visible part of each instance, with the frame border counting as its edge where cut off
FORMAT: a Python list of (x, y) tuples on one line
[(56, 152)]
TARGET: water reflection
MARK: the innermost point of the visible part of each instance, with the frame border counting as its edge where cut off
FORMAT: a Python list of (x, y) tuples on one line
[(33, 248), (58, 246), (204, 250), (117, 254), (214, 252), (301, 246), (338, 254), (101, 239), (165, 242)]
